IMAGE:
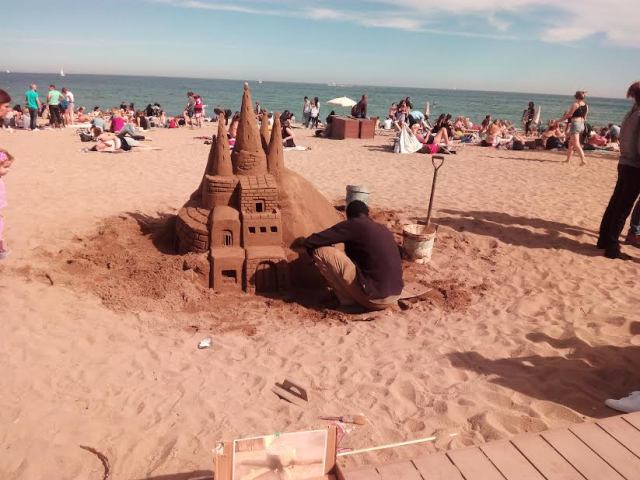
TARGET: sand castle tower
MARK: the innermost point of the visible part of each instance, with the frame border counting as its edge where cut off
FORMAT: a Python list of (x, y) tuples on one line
[(236, 215)]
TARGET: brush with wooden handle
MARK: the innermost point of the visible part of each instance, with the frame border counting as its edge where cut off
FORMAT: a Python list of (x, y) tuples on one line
[(358, 419)]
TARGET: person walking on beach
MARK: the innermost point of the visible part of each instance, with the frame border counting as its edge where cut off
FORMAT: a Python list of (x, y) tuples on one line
[(53, 103), (369, 271), (527, 117), (32, 99), (577, 115), (627, 186), (67, 113), (306, 111), (5, 162)]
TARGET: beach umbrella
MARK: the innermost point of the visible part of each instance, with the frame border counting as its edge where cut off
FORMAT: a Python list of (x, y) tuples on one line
[(342, 102)]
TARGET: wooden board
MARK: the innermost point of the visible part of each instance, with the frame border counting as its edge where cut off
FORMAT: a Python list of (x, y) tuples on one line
[(623, 432), (437, 467), (330, 454), (633, 419), (609, 449), (361, 473), (546, 459), (511, 463), (473, 464), (590, 465), (399, 471)]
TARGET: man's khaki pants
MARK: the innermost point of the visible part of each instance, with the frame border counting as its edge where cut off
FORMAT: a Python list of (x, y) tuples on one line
[(340, 273)]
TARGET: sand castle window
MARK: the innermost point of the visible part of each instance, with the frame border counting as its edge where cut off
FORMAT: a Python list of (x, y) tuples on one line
[(252, 229), (229, 276), (263, 229), (227, 238), (260, 206), (274, 229)]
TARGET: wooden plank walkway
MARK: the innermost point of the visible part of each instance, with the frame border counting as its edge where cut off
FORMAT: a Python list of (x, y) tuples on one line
[(607, 449)]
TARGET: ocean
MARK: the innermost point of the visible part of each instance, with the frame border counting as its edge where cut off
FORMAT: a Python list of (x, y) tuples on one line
[(110, 90)]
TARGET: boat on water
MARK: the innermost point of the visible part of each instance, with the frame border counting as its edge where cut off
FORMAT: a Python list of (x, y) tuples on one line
[(61, 72)]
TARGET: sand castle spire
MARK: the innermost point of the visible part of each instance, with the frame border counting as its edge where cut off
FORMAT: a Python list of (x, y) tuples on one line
[(248, 156), (212, 160), (275, 155), (264, 130), (223, 154)]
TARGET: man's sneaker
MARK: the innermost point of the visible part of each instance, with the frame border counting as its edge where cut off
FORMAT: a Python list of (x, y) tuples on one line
[(628, 404), (633, 239)]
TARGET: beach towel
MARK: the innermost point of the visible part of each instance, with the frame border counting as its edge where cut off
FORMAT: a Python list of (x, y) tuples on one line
[(407, 142)]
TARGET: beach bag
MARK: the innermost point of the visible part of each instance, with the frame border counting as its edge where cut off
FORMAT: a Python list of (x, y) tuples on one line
[(86, 137), (64, 104), (172, 123), (408, 143), (518, 145)]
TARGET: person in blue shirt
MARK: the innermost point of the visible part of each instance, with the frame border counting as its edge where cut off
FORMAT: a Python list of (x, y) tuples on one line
[(32, 99)]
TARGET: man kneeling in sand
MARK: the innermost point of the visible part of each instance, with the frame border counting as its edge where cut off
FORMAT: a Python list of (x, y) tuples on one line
[(369, 271)]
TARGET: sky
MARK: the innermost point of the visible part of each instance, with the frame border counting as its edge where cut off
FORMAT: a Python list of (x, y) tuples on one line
[(542, 46)]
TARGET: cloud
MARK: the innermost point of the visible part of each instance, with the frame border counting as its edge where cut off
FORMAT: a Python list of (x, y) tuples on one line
[(560, 21), (555, 21)]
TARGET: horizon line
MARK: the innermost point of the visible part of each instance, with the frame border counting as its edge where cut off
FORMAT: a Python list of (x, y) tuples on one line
[(308, 83)]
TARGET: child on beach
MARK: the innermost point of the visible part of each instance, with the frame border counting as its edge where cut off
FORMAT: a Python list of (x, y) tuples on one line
[(5, 163)]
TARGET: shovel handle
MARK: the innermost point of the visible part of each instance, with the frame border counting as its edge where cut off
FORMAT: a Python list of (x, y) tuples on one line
[(435, 159)]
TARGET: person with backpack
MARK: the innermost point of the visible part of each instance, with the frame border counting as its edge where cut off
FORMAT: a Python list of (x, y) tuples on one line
[(67, 106), (54, 98)]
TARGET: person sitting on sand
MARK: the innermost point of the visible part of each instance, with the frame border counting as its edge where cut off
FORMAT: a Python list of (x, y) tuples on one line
[(81, 116), (117, 122), (553, 136), (369, 271), (432, 144), (288, 140)]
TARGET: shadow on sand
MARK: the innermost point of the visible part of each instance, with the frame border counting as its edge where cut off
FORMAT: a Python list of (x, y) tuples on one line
[(513, 230), (581, 380)]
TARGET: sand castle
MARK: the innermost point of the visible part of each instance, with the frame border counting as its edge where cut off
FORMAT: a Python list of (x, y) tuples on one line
[(237, 213)]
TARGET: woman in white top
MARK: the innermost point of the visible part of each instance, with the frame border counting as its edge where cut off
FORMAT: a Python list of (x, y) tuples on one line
[(315, 113)]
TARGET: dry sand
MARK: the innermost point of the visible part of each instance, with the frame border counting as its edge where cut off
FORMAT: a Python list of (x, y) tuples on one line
[(529, 327)]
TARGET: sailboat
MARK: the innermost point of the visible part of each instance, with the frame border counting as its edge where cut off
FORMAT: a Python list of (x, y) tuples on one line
[(61, 72)]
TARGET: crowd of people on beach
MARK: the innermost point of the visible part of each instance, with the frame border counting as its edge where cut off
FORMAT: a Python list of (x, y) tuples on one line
[(571, 132)]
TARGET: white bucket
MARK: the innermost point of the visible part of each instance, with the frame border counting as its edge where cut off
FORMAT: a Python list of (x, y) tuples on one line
[(357, 192), (417, 241)]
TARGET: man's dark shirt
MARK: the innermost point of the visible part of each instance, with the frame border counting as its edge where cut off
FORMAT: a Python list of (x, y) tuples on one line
[(372, 248), (360, 109)]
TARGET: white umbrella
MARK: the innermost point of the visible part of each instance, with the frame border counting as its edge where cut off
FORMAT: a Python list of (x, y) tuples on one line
[(342, 102)]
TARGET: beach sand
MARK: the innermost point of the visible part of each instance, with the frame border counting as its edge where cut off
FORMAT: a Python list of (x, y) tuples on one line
[(530, 328)]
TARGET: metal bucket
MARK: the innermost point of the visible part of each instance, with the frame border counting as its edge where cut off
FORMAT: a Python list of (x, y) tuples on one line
[(357, 192), (417, 241)]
